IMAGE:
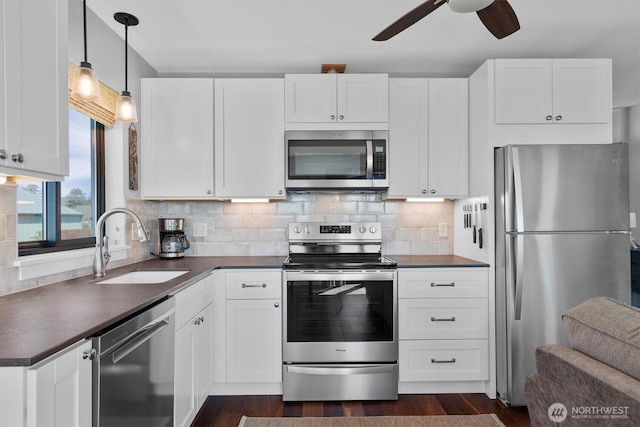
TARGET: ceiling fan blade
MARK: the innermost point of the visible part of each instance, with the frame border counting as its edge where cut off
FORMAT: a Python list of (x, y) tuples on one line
[(409, 19), (499, 18)]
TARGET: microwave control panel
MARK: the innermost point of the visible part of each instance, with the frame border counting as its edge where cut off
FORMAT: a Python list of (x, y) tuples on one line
[(379, 159)]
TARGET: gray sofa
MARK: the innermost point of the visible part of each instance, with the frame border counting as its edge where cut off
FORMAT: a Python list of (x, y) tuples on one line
[(596, 381)]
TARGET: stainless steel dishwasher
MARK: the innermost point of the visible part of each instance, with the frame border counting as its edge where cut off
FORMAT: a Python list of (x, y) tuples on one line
[(133, 370)]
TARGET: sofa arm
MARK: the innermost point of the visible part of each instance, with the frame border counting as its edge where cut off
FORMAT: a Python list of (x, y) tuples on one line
[(592, 392)]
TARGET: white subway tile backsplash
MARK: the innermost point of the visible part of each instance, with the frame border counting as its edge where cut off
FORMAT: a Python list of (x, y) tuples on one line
[(243, 229)]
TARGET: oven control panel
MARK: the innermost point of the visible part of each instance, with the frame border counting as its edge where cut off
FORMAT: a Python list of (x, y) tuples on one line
[(316, 231)]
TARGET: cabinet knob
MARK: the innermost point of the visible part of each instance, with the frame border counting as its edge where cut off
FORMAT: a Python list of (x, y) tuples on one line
[(276, 304), (424, 191), (209, 191), (549, 118), (17, 158), (279, 191), (433, 191), (3, 154), (558, 118), (89, 354), (341, 117), (332, 117)]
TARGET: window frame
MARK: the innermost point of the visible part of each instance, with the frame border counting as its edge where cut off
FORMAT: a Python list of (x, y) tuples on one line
[(53, 205)]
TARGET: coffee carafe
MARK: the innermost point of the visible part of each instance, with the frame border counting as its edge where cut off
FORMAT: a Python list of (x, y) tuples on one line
[(173, 241)]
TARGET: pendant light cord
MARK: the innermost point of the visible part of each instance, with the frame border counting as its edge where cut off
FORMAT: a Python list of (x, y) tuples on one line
[(126, 57), (84, 21)]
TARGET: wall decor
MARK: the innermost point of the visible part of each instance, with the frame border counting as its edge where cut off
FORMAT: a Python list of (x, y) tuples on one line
[(133, 158)]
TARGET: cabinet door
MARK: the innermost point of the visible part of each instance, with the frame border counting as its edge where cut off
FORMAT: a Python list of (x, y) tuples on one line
[(254, 341), (35, 79), (310, 98), (448, 137), (184, 403), (249, 138), (177, 138), (409, 137), (363, 98), (59, 390), (204, 354), (523, 91), (582, 90)]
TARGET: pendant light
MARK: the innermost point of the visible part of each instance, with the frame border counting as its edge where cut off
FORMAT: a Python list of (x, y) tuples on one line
[(85, 81), (126, 104)]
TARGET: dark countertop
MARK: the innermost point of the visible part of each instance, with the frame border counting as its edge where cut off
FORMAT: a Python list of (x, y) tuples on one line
[(37, 323), (434, 261)]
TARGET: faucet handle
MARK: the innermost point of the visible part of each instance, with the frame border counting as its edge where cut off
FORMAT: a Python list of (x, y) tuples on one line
[(106, 255)]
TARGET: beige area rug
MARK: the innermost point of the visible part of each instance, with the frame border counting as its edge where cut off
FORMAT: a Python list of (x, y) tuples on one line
[(485, 420)]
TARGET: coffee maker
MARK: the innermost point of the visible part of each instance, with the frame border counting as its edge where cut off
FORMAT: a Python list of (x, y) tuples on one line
[(173, 241)]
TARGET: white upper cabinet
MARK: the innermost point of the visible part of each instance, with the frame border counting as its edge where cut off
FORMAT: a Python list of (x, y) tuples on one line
[(34, 128), (177, 138), (337, 99), (428, 134), (249, 138), (553, 91)]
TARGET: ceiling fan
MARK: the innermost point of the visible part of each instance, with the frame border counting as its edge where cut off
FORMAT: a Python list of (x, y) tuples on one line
[(496, 15)]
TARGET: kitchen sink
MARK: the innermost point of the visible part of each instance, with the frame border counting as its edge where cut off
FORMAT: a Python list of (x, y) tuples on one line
[(144, 276)]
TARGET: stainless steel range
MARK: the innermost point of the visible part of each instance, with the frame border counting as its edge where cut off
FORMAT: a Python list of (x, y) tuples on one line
[(340, 304)]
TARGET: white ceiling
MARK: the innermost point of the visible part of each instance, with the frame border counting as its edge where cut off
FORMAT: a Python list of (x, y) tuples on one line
[(297, 36)]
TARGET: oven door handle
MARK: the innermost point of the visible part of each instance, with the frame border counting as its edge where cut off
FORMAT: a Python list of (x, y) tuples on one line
[(330, 275), (340, 370)]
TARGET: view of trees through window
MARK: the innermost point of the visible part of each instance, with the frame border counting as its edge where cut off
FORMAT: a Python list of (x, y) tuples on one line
[(37, 201)]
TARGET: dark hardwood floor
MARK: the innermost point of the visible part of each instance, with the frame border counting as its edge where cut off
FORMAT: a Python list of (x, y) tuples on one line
[(226, 411)]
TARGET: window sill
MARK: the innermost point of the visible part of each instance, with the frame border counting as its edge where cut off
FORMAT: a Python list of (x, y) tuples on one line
[(34, 266)]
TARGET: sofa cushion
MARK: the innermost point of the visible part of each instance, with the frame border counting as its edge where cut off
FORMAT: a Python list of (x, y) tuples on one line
[(606, 330)]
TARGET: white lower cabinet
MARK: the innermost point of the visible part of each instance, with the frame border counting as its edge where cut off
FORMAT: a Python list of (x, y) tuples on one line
[(254, 340), (443, 329), (55, 392), (249, 324), (193, 366), (59, 389)]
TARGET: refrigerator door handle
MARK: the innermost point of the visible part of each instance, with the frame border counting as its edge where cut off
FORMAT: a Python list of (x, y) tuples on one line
[(517, 184), (519, 243)]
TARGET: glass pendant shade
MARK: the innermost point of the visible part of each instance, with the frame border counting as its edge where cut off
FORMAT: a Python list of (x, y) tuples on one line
[(85, 83), (126, 111), (466, 6)]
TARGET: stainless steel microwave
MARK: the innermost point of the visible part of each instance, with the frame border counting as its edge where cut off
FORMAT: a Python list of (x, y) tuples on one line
[(349, 159)]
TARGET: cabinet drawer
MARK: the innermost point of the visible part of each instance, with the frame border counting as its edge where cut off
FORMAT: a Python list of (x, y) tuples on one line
[(192, 300), (463, 318), (259, 284), (442, 283), (444, 360)]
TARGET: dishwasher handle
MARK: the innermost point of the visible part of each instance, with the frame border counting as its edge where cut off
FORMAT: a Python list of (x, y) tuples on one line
[(137, 339)]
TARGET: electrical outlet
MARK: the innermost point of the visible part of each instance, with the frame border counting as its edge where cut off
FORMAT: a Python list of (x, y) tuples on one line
[(442, 229), (200, 229)]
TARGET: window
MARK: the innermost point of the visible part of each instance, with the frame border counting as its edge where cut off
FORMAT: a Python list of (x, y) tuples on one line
[(54, 216)]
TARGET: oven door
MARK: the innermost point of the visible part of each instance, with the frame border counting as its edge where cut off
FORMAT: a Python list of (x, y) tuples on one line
[(340, 317)]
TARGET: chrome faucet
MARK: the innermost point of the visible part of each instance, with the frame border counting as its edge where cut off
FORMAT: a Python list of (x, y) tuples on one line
[(102, 255)]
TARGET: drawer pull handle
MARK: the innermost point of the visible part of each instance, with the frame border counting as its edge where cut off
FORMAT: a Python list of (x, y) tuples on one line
[(438, 285), (244, 285), (453, 360), (450, 319)]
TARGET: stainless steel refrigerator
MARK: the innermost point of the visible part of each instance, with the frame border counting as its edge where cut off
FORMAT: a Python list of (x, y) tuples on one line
[(562, 237)]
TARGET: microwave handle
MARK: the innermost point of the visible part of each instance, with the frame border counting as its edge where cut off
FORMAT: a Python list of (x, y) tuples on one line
[(369, 159)]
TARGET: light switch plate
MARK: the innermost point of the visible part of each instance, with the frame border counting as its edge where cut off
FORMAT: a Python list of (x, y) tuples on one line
[(200, 229), (442, 229)]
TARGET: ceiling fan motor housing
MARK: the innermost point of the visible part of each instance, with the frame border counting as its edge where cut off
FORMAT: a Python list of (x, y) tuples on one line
[(466, 6)]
